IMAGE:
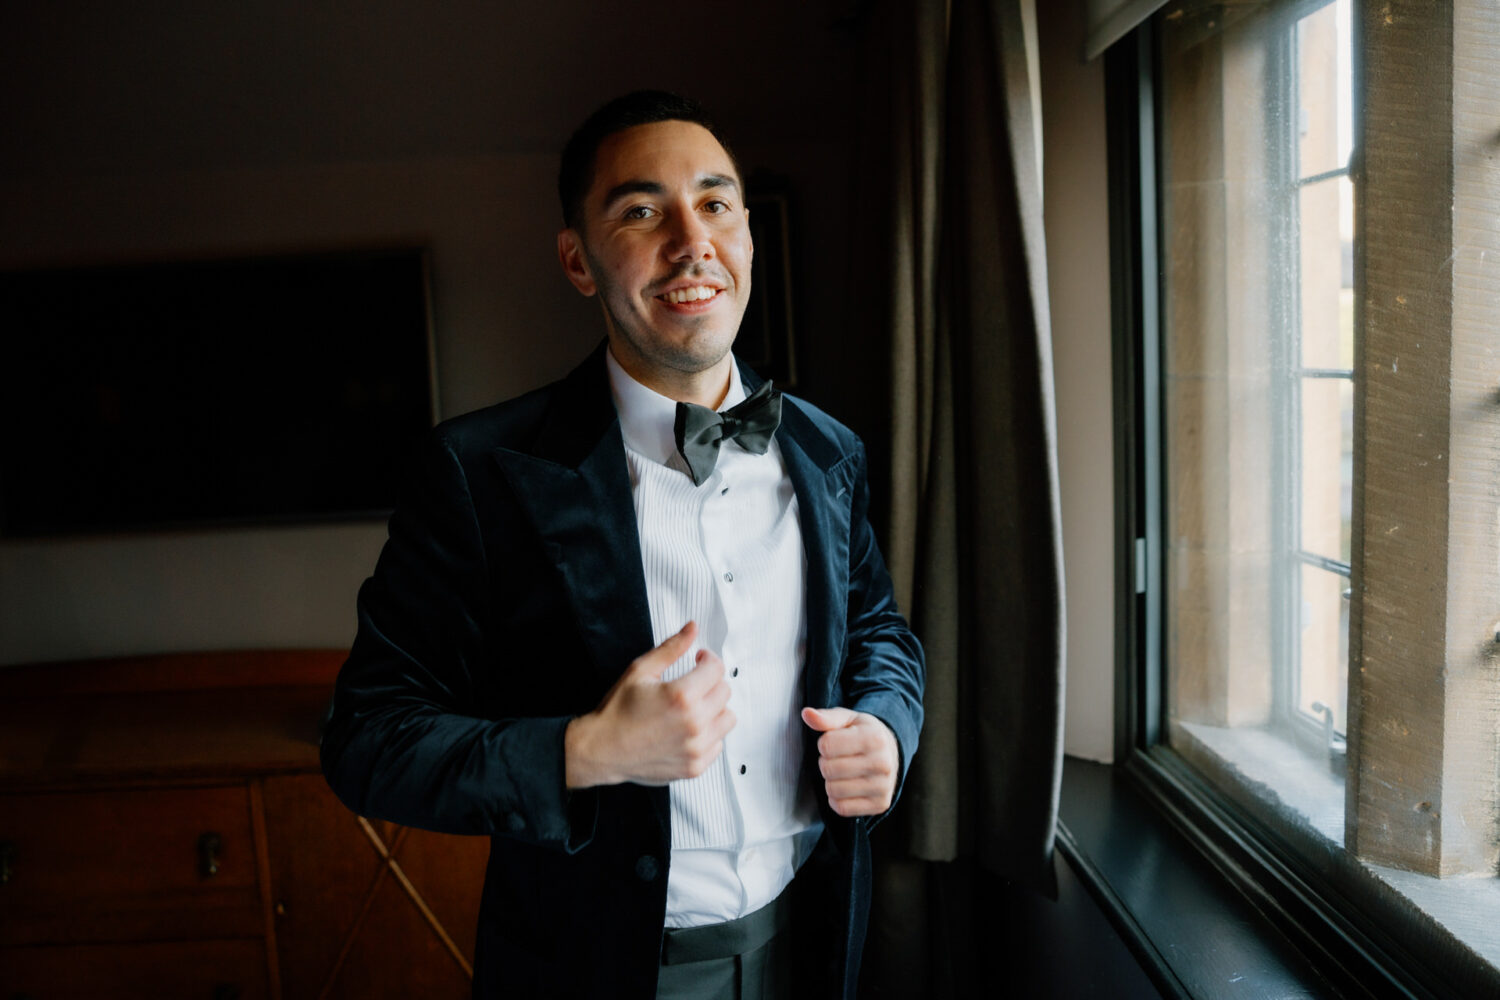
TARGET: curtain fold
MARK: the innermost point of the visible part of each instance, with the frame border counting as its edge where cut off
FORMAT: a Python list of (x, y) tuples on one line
[(974, 528)]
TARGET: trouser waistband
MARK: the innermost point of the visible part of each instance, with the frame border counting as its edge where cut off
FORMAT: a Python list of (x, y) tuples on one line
[(733, 937)]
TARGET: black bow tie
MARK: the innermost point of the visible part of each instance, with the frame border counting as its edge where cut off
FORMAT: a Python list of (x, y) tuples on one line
[(700, 430)]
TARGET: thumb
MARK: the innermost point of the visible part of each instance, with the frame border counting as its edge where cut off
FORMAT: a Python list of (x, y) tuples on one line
[(824, 719), (651, 665)]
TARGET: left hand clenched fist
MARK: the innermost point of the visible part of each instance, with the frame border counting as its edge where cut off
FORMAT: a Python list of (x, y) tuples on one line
[(857, 755)]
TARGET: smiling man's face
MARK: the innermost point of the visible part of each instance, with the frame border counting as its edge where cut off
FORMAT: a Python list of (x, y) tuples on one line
[(664, 240)]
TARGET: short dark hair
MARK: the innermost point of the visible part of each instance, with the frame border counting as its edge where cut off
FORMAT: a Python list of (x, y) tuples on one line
[(642, 107)]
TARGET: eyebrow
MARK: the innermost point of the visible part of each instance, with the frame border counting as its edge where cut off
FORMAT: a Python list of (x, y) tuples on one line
[(707, 182)]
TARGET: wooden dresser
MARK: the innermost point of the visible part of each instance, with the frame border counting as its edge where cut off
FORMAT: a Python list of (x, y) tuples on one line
[(165, 832)]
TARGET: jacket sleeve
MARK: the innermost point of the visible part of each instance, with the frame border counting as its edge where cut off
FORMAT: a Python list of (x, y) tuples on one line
[(884, 670), (404, 739)]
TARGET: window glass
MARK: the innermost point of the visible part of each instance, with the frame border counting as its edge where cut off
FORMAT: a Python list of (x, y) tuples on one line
[(1255, 126), (1393, 804)]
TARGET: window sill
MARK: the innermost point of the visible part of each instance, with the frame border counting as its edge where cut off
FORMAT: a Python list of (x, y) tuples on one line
[(1191, 931), (1299, 790), (1213, 904)]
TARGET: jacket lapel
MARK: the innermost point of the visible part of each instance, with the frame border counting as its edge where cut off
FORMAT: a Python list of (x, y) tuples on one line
[(575, 488), (822, 474)]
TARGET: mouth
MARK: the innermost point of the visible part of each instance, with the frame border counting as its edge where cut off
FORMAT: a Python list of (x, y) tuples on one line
[(694, 296)]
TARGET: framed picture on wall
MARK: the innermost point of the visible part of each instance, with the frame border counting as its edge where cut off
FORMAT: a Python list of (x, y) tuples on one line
[(286, 388)]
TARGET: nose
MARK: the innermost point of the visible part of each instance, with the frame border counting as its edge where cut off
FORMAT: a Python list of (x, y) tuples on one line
[(689, 238)]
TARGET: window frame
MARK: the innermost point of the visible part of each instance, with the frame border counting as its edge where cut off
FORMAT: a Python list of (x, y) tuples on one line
[(1291, 375), (1321, 900)]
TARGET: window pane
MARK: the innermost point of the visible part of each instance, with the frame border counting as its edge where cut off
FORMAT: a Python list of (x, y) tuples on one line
[(1228, 207), (1327, 426), (1323, 682), (1325, 292), (1257, 352), (1322, 90)]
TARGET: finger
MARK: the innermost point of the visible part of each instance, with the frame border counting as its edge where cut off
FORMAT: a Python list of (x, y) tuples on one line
[(859, 807), (696, 764), (724, 722), (853, 766), (825, 719), (870, 786), (654, 663), (716, 697), (848, 742), (707, 672)]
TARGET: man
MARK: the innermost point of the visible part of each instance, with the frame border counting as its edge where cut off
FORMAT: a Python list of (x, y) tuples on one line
[(634, 626)]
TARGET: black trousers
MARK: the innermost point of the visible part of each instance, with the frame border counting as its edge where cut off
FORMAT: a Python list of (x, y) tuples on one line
[(744, 959)]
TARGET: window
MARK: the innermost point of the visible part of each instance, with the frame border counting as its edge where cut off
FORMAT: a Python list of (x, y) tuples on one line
[(1257, 220), (1316, 466)]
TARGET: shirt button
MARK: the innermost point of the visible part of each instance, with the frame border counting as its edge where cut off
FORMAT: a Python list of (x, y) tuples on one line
[(742, 768), (724, 491), (646, 868), (728, 577), (735, 672)]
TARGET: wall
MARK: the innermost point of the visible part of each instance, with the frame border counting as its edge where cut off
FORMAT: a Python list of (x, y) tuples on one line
[(1076, 211), (276, 125)]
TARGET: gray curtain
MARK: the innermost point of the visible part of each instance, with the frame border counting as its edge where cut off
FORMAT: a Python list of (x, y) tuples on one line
[(974, 540)]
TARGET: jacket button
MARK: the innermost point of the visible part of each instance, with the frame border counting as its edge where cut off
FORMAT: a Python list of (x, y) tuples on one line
[(646, 868)]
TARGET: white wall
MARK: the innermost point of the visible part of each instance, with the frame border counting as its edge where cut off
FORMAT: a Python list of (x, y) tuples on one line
[(1077, 222)]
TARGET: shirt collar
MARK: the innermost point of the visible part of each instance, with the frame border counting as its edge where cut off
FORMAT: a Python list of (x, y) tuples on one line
[(647, 418)]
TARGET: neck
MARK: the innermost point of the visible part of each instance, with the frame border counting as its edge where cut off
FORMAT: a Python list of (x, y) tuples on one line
[(706, 388)]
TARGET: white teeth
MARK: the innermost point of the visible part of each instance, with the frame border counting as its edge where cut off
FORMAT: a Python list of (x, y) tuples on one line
[(693, 294)]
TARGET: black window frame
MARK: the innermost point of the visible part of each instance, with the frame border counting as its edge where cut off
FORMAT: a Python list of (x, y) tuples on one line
[(1305, 896)]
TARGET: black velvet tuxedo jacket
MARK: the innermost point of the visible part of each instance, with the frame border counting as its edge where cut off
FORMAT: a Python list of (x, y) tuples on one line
[(507, 600)]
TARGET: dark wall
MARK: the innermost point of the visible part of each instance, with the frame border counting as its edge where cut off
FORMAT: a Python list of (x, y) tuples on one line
[(178, 129)]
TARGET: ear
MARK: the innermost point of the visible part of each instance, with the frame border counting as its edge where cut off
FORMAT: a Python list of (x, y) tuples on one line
[(575, 263)]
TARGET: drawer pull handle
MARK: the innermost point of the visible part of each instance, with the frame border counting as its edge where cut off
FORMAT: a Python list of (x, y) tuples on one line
[(209, 846), (7, 861)]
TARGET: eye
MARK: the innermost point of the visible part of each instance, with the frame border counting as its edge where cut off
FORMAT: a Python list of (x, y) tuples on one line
[(636, 212), (716, 207)]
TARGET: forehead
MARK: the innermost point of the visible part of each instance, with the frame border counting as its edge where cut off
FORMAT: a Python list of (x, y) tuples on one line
[(668, 153)]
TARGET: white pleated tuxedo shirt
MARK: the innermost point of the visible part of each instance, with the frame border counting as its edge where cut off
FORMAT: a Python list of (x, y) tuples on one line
[(728, 555)]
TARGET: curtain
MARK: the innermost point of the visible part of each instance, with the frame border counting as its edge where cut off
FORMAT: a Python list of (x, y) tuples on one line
[(973, 541)]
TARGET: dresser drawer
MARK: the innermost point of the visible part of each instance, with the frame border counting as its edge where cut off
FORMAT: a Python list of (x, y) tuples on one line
[(200, 970), (129, 865)]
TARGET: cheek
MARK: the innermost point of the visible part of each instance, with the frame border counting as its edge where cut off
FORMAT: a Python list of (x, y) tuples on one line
[(743, 250)]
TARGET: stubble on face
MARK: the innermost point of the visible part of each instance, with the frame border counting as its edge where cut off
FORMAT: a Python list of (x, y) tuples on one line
[(698, 352)]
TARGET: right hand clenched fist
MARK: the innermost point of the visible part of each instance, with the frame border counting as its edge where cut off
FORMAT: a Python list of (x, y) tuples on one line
[(652, 731)]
